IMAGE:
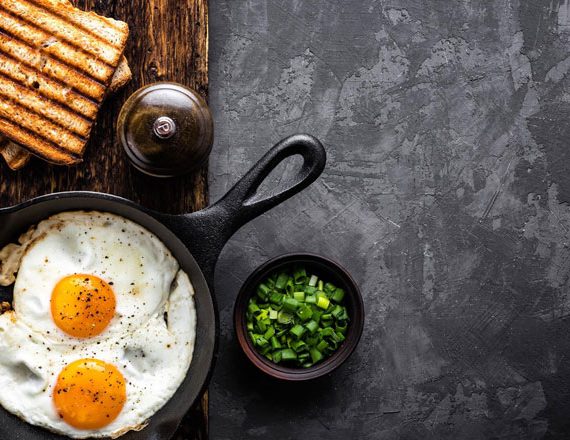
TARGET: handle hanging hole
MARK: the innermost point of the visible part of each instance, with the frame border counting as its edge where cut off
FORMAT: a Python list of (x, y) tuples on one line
[(282, 176)]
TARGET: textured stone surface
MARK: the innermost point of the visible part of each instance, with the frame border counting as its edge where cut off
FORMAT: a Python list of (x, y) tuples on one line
[(447, 126)]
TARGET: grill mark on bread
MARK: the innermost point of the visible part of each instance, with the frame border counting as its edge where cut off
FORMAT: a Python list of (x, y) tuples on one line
[(48, 151), (55, 113), (46, 58), (90, 22), (42, 127), (58, 21), (61, 50), (49, 87), (48, 66)]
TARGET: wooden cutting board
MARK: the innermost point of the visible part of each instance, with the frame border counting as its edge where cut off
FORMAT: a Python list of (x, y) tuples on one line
[(168, 42)]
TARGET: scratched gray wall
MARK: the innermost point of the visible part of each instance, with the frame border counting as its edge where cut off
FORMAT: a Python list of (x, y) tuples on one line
[(447, 125)]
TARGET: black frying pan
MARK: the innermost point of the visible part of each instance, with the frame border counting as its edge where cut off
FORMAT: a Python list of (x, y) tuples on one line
[(196, 241)]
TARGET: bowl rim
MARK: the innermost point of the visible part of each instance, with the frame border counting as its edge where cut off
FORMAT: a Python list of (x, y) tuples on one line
[(348, 346)]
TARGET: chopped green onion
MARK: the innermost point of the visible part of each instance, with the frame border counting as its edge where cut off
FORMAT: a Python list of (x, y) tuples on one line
[(311, 299), (312, 340), (310, 290), (316, 355), (329, 287), (304, 313), (300, 275), (252, 308), (317, 314), (323, 302), (263, 314), (335, 337), (299, 346), (284, 317), (277, 356), (261, 341), (299, 296), (296, 318), (298, 330), (337, 312), (281, 281), (287, 354), (264, 289), (341, 328), (312, 326), (290, 304), (269, 333), (338, 295), (276, 298)]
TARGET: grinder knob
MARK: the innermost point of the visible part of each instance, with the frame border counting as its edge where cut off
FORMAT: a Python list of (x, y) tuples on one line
[(166, 129)]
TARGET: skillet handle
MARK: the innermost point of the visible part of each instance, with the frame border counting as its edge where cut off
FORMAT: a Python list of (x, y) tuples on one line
[(206, 232), (241, 204)]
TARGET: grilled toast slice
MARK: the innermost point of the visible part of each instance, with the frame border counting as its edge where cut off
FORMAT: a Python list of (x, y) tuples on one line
[(18, 157), (56, 64)]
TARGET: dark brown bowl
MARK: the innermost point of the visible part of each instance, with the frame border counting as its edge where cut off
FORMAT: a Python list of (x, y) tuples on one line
[(323, 268)]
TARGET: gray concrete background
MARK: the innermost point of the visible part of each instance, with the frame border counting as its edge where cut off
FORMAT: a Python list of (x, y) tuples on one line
[(446, 124)]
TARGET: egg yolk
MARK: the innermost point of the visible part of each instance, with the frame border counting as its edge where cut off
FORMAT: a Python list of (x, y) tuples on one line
[(82, 305), (89, 393)]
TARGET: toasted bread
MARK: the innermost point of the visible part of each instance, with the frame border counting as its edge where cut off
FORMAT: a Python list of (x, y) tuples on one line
[(121, 77), (17, 157), (56, 65)]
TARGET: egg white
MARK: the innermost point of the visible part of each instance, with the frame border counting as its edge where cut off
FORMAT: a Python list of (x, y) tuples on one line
[(124, 254), (152, 349)]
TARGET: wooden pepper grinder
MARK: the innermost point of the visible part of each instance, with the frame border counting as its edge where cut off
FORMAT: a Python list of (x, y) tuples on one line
[(166, 129)]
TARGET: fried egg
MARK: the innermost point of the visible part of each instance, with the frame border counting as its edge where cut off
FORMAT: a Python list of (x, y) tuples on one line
[(76, 263), (103, 327)]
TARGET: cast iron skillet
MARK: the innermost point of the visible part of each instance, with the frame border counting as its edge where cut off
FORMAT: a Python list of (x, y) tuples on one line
[(196, 241)]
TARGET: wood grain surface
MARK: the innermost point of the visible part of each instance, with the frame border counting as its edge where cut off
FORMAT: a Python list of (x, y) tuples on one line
[(168, 42)]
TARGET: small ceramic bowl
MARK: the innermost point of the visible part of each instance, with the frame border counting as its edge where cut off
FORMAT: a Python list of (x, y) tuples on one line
[(324, 268)]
